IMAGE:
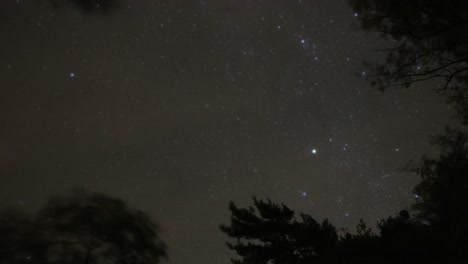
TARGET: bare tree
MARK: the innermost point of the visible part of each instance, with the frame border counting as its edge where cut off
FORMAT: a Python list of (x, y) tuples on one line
[(431, 42)]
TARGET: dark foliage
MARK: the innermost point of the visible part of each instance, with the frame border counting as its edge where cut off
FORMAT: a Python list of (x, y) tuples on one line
[(88, 6), (270, 233), (443, 191), (362, 247), (406, 240), (434, 231), (430, 43), (19, 242), (81, 228)]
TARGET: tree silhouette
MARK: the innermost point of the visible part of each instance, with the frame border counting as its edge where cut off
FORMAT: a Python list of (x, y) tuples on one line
[(443, 191), (270, 233), (19, 240), (404, 239), (430, 43), (82, 228), (361, 247), (88, 6)]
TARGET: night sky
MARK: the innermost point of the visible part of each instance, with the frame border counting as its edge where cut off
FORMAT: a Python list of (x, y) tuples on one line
[(179, 106)]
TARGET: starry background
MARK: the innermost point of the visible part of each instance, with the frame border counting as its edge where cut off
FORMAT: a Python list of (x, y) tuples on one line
[(178, 107)]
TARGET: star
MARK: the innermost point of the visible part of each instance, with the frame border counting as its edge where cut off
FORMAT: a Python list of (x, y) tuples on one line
[(72, 74), (314, 151)]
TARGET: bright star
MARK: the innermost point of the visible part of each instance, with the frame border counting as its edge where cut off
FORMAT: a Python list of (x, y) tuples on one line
[(314, 151), (72, 74)]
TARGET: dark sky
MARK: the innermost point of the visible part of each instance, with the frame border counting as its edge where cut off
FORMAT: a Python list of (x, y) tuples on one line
[(180, 106)]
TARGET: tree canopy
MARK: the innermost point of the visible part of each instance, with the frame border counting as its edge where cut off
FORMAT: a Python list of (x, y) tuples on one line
[(435, 228), (443, 191), (81, 228), (270, 233), (88, 6), (430, 43)]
